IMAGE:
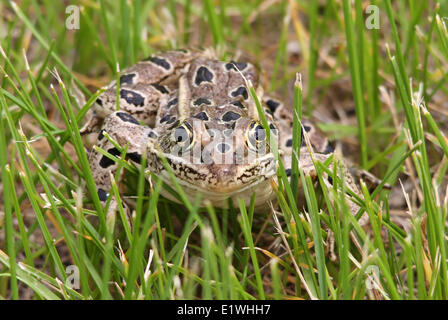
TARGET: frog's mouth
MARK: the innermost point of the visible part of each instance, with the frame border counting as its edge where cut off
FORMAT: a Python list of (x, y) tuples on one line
[(213, 179)]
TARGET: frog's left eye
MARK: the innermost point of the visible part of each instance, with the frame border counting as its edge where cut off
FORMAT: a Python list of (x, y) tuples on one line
[(183, 135)]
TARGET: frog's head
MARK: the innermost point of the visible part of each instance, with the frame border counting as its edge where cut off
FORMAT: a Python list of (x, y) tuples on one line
[(211, 155)]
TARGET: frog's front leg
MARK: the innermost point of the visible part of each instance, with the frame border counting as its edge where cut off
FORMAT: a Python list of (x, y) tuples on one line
[(124, 130)]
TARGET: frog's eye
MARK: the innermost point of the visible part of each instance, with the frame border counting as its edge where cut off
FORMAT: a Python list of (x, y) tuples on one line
[(255, 135), (183, 135)]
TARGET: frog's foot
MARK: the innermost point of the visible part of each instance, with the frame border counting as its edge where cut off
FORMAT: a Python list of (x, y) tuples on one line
[(123, 130), (103, 182)]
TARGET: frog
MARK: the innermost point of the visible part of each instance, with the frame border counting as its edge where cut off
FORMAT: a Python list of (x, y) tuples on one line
[(195, 113)]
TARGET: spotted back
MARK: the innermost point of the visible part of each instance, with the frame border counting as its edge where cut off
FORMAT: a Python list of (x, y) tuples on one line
[(218, 82), (213, 92)]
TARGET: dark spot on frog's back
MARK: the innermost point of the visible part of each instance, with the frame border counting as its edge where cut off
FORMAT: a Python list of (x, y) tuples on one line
[(172, 119), (165, 118), (152, 134), (132, 97), (241, 91), (201, 101), (135, 156), (203, 75), (202, 116), (127, 78), (272, 105), (168, 119), (239, 65), (328, 148), (160, 62), (268, 111), (105, 161), (101, 135), (126, 117), (230, 116), (238, 104), (160, 88), (172, 103), (174, 125), (302, 142), (102, 194)]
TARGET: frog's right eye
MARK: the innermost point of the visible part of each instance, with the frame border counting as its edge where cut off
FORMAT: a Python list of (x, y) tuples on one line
[(183, 135), (255, 135)]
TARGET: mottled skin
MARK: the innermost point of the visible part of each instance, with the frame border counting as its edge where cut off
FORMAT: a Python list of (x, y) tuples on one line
[(179, 93)]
